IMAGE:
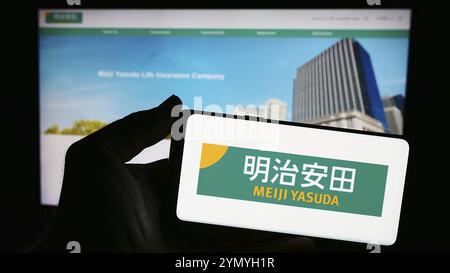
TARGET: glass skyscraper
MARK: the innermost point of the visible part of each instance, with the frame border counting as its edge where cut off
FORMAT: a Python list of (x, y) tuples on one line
[(339, 80)]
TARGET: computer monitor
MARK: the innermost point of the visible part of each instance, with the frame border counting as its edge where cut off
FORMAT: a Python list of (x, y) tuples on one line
[(335, 67)]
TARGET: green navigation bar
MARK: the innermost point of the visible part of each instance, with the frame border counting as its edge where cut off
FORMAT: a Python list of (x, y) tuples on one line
[(227, 32)]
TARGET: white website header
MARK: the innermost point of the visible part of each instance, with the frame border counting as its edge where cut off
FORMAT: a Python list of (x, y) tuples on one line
[(398, 19)]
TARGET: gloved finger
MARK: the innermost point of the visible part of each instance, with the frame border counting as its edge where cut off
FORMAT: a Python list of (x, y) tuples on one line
[(127, 137), (156, 174), (154, 170)]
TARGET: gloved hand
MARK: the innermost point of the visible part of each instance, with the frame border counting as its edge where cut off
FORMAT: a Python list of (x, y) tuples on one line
[(109, 206)]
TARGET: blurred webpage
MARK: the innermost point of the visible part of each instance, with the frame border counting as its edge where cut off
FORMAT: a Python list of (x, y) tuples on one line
[(342, 68)]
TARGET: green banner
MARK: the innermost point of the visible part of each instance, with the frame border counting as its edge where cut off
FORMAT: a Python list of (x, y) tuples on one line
[(227, 32), (292, 179)]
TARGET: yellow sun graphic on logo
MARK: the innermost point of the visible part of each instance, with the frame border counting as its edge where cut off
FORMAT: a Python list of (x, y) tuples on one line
[(211, 153)]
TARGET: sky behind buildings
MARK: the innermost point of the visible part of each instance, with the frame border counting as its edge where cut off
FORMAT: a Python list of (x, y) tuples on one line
[(255, 70)]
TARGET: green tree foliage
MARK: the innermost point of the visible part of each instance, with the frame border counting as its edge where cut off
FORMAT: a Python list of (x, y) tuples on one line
[(54, 129), (80, 127)]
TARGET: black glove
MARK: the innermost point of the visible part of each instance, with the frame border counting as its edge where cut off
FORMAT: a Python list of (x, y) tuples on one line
[(109, 206)]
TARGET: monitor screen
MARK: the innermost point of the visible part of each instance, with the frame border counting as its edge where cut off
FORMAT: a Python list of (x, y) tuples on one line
[(343, 68)]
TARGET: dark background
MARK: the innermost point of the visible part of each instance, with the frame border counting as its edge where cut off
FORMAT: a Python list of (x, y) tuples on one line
[(425, 218)]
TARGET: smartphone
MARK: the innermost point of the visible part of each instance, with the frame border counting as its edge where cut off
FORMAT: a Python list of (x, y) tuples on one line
[(289, 177)]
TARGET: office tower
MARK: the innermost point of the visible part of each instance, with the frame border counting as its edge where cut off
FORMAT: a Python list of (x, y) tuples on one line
[(394, 119), (249, 110), (276, 109), (394, 109), (273, 109), (397, 101), (338, 88)]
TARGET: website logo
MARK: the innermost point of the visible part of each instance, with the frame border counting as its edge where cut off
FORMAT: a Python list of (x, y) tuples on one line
[(64, 17)]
